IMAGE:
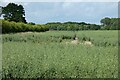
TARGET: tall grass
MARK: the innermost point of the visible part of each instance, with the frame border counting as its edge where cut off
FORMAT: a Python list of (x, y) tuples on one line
[(98, 38), (43, 55)]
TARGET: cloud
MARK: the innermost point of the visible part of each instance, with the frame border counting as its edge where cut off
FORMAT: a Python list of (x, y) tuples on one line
[(67, 4), (43, 12), (23, 3), (60, 0), (4, 3), (19, 3)]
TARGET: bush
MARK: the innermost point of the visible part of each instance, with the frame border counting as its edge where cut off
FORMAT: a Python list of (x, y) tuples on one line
[(13, 27)]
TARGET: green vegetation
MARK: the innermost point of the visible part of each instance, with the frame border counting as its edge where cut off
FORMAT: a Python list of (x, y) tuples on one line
[(13, 27), (46, 55), (72, 26), (110, 23), (14, 12), (57, 50)]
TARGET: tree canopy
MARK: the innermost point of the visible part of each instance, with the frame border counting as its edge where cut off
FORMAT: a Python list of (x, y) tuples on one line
[(72, 26), (14, 12), (110, 23)]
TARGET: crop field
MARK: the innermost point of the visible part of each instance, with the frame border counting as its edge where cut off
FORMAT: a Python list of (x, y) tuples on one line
[(56, 54)]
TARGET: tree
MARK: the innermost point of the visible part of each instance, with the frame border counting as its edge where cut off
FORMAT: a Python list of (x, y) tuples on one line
[(111, 23), (31, 23), (106, 21), (14, 12)]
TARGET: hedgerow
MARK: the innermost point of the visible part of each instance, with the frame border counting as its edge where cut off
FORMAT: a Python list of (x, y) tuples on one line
[(13, 27)]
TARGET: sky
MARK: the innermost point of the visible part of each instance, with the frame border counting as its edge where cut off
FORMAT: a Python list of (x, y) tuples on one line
[(89, 12), (60, 0)]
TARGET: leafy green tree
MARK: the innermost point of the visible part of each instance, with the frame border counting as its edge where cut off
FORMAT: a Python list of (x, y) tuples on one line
[(106, 21), (14, 12), (31, 23), (110, 23)]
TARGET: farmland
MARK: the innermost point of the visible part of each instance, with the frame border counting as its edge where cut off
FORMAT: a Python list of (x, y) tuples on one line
[(51, 55)]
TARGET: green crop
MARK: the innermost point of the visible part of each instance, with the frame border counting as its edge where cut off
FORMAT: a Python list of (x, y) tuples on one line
[(46, 55)]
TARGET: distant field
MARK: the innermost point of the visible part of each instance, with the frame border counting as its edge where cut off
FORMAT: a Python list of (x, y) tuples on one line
[(53, 55)]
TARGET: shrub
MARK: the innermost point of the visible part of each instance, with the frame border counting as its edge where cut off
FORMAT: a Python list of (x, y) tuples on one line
[(12, 27)]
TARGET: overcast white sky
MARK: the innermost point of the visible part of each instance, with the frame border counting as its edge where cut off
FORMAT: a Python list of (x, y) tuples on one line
[(60, 0), (90, 12)]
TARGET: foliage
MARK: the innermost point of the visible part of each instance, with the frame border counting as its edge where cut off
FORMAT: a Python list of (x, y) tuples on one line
[(31, 23), (14, 12), (110, 23), (72, 26), (13, 27)]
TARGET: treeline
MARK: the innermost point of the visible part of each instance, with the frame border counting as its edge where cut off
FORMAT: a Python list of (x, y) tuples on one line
[(107, 24), (72, 26), (13, 27)]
